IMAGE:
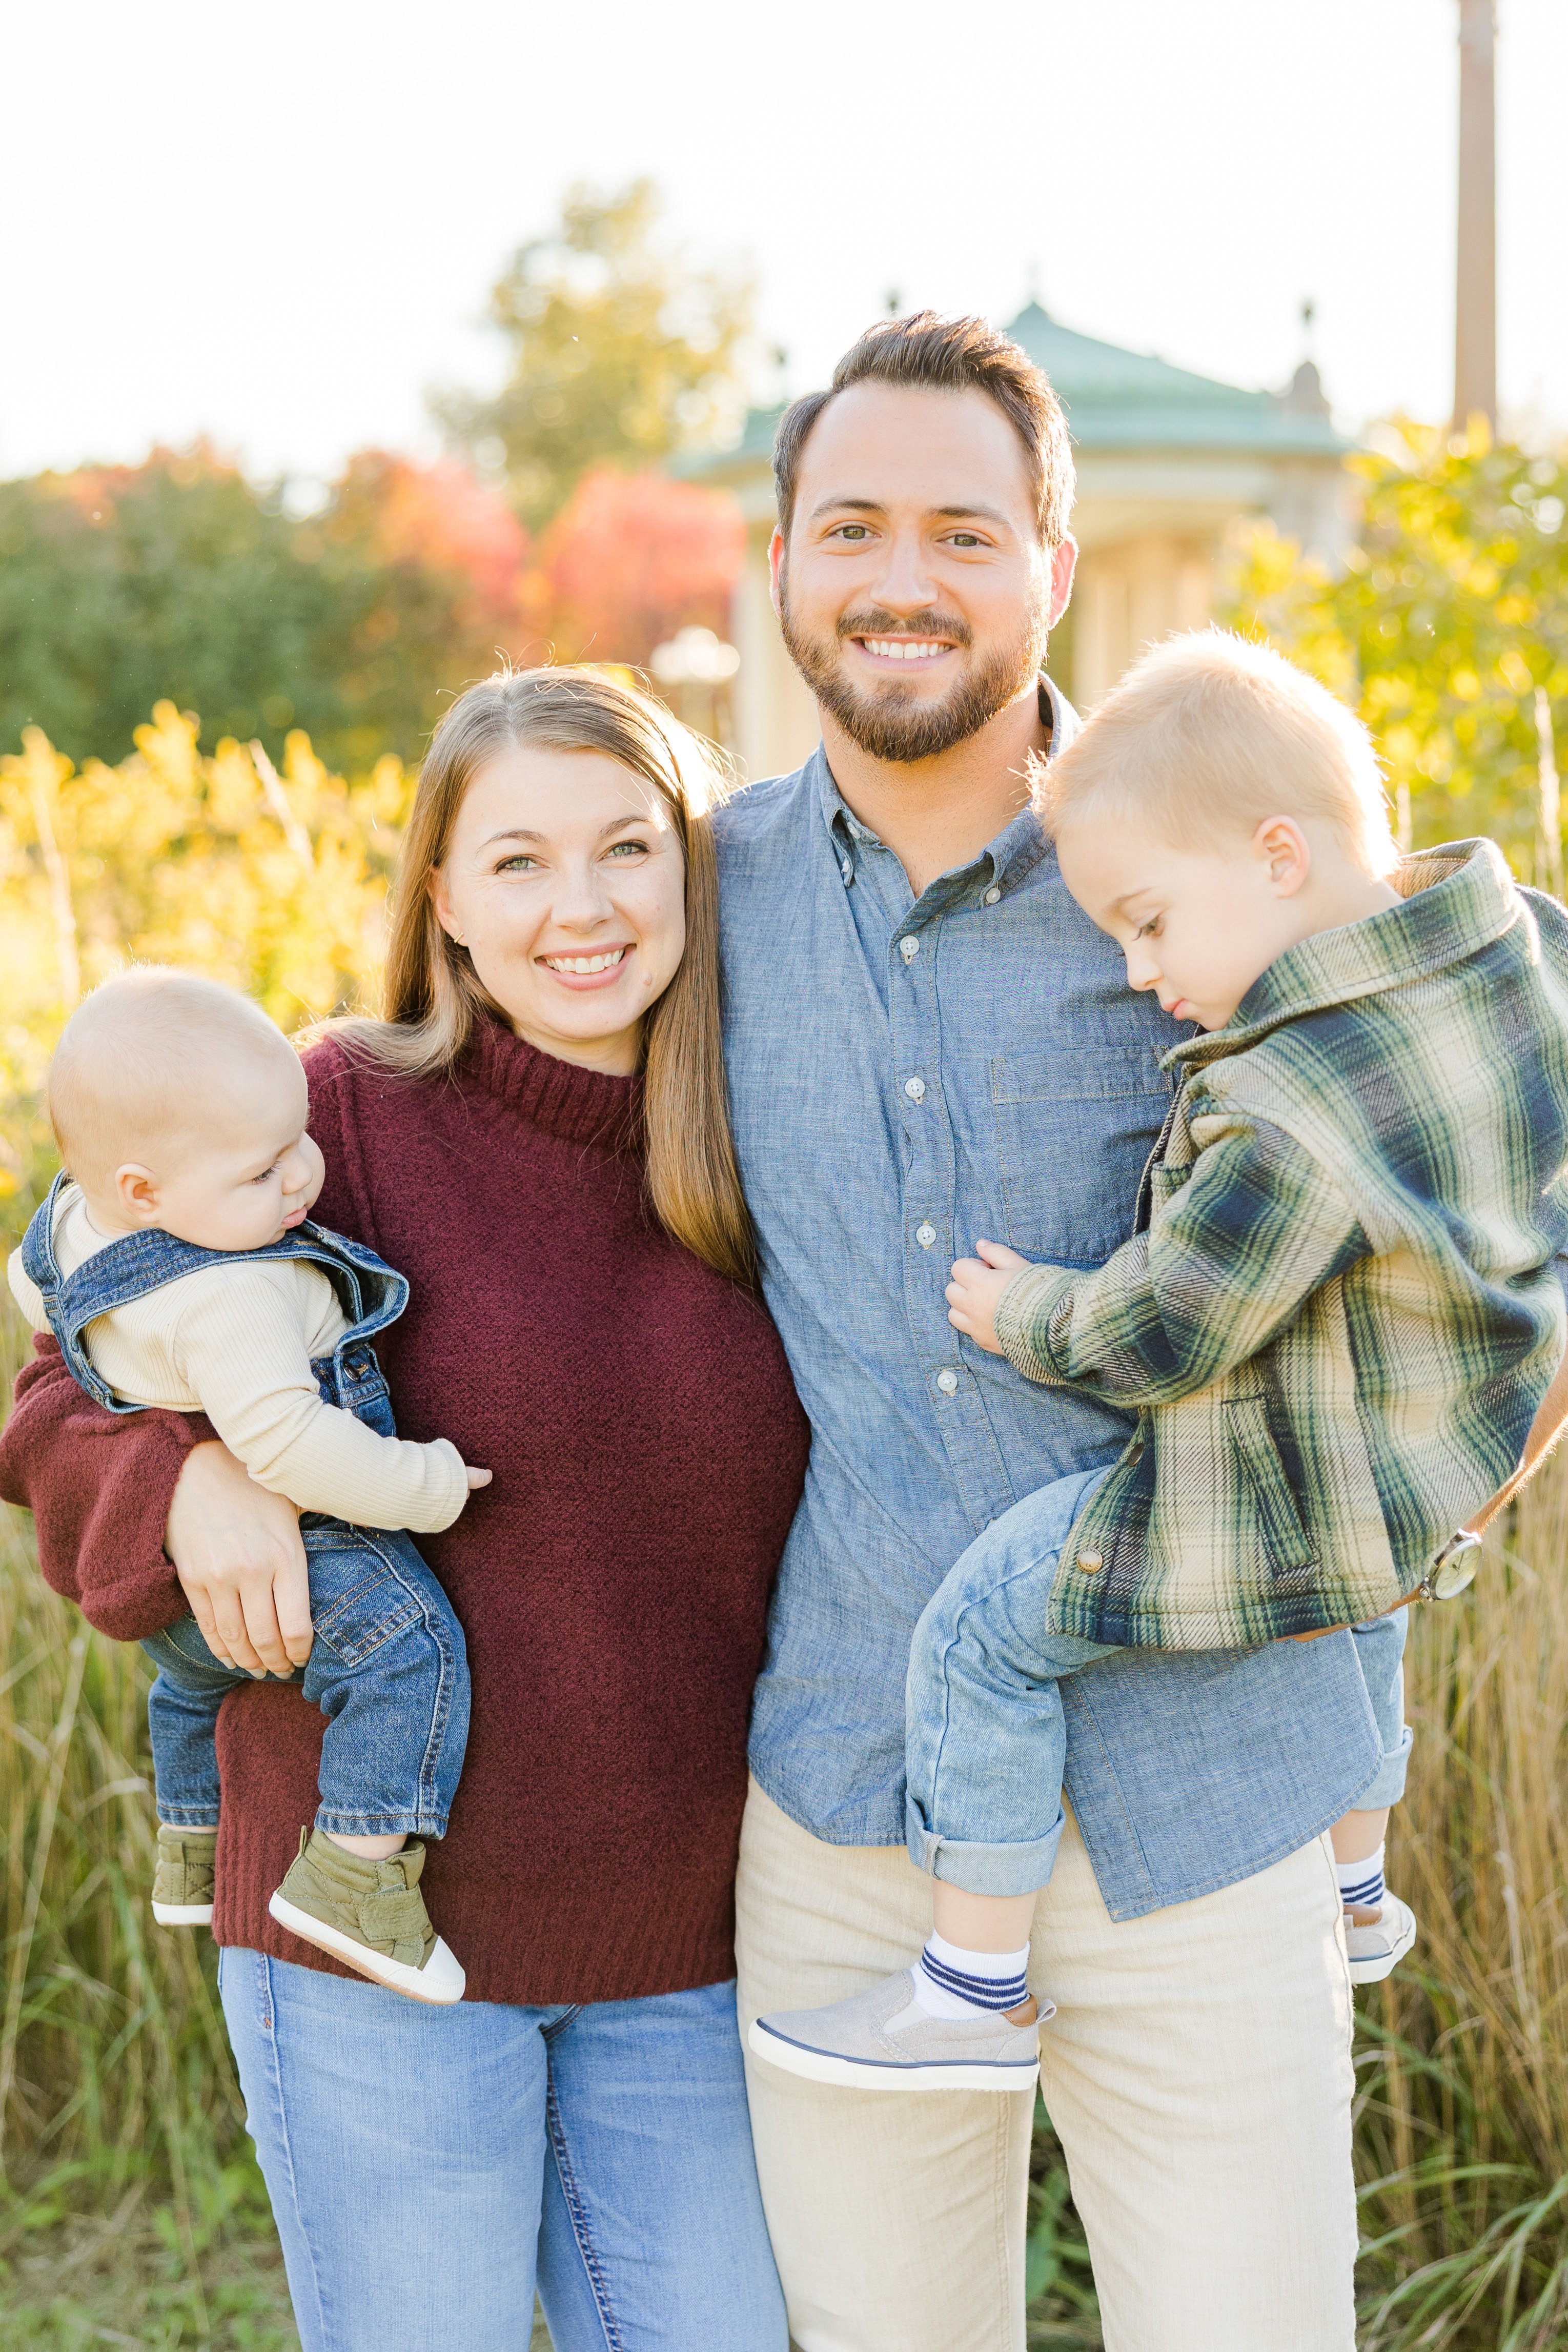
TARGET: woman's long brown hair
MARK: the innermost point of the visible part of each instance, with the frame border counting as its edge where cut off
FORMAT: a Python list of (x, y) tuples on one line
[(432, 994)]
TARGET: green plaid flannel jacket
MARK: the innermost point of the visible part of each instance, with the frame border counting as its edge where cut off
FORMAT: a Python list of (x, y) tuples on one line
[(1342, 1312)]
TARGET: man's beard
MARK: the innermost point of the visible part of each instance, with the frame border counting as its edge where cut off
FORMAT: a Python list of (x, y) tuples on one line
[(887, 722)]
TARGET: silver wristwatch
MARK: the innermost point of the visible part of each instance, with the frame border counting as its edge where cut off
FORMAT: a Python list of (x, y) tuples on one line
[(1453, 1568)]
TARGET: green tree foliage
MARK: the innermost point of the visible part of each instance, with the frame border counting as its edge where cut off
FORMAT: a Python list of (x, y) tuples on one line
[(180, 580), (119, 585), (622, 353), (1450, 615)]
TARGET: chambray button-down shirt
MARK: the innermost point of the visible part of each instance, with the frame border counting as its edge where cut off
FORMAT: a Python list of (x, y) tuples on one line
[(906, 1074)]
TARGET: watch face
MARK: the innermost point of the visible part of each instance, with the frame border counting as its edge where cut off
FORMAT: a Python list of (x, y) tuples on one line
[(1457, 1572)]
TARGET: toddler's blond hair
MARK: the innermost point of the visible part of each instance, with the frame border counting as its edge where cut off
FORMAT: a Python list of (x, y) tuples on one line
[(1206, 736), (150, 1060)]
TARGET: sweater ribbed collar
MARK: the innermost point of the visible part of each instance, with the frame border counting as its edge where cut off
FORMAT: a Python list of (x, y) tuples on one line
[(578, 1105)]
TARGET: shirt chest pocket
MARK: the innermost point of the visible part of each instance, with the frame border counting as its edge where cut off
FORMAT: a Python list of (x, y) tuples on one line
[(1075, 1129), (1164, 1183)]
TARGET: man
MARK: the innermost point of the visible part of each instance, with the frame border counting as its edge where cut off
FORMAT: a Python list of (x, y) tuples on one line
[(928, 1041)]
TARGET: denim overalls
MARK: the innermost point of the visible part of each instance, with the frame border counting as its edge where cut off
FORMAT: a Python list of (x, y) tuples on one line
[(388, 1666)]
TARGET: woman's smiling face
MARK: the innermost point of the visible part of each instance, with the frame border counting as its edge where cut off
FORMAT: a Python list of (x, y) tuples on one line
[(564, 876)]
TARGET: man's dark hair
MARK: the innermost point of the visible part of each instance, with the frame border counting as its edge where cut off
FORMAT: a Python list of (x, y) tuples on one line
[(934, 353)]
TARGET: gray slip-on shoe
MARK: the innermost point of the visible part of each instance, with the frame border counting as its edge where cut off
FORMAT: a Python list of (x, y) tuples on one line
[(850, 2044), (1376, 1951)]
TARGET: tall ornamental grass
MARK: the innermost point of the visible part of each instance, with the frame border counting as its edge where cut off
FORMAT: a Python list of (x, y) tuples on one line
[(1462, 2129), (121, 2120)]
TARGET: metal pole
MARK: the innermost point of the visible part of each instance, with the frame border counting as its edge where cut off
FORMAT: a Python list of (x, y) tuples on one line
[(1551, 809), (1475, 288)]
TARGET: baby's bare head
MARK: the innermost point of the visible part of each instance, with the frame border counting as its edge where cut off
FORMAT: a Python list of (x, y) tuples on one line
[(157, 1067)]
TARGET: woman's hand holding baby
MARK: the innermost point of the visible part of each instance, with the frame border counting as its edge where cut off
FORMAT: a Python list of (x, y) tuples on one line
[(237, 1554), (975, 1291)]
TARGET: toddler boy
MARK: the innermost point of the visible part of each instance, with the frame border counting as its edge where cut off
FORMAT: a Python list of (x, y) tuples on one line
[(176, 1267), (1336, 1319)]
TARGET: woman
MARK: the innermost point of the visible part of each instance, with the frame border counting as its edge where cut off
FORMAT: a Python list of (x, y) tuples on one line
[(538, 1136)]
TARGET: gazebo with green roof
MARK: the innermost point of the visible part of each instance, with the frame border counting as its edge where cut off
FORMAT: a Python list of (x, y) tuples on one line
[(1168, 462)]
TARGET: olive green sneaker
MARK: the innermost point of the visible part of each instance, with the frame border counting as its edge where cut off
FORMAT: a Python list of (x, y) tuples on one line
[(369, 1915), (182, 1883)]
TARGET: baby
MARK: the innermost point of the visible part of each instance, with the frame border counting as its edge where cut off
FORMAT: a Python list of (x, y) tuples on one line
[(1337, 1319), (176, 1267)]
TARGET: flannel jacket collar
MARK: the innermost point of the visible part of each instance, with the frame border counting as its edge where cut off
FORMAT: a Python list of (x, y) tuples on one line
[(1455, 901)]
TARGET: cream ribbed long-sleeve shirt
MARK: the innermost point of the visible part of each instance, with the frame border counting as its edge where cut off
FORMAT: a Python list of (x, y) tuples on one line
[(235, 1342)]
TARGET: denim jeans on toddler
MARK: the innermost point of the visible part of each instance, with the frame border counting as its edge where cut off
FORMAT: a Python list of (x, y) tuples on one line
[(985, 1730), (388, 1666)]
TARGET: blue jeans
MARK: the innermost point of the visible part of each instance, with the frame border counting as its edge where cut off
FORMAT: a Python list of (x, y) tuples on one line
[(388, 1668), (984, 1733), (428, 2168), (985, 1738), (1380, 1654)]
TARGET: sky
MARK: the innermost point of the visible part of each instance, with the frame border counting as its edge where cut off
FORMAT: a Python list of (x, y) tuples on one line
[(278, 227)]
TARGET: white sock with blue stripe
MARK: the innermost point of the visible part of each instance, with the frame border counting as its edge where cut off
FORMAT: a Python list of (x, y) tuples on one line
[(1361, 1886), (952, 1982)]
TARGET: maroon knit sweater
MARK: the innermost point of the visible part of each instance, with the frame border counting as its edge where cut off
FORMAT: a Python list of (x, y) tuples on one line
[(612, 1583)]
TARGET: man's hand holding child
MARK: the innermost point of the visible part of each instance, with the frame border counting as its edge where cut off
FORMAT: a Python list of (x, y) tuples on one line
[(975, 1291)]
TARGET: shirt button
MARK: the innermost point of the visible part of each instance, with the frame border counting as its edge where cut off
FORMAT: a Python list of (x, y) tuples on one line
[(926, 1236), (915, 1089), (946, 1380), (992, 895), (847, 870), (1090, 1562), (909, 948)]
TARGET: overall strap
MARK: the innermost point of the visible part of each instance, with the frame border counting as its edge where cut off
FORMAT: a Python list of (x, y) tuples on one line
[(63, 1296), (38, 1262), (370, 1292)]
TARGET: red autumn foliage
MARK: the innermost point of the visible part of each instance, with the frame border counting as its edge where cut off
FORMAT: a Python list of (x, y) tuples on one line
[(436, 518), (630, 558)]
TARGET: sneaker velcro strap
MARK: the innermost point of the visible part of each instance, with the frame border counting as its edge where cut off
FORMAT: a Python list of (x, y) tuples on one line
[(395, 1921)]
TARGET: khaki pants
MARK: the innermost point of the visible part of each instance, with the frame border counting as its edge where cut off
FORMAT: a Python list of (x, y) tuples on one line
[(1198, 2070)]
